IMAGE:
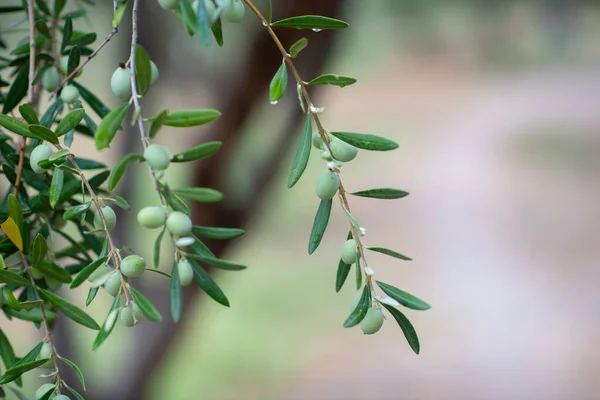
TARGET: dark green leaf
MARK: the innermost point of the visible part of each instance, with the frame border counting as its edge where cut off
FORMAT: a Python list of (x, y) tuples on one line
[(94, 102), (142, 68), (197, 152), (319, 225), (15, 126), (157, 123), (360, 311), (40, 248), (389, 252), (342, 271), (176, 298), (24, 367), (87, 271), (74, 392), (269, 11), (67, 34), (218, 263), (70, 310), (34, 315), (13, 279), (28, 114), (54, 271), (59, 5), (202, 24), (119, 169), (186, 118), (302, 154), (217, 233), (146, 306), (104, 332), (70, 121), (15, 210), (333, 79), (81, 39), (50, 114), (297, 47), (56, 187), (358, 272), (119, 12), (156, 251), (109, 126), (201, 195), (7, 353), (217, 30), (278, 84), (75, 369), (383, 193), (207, 284), (404, 298), (315, 22), (409, 331), (18, 90), (91, 296), (42, 28), (29, 357), (43, 133), (73, 60), (366, 141), (76, 211)]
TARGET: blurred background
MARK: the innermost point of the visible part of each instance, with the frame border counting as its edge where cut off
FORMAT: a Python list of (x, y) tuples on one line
[(495, 106)]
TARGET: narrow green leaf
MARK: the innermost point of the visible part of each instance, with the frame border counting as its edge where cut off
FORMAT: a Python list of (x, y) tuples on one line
[(106, 330), (319, 225), (315, 22), (70, 310), (202, 24), (15, 210), (29, 357), (360, 311), (119, 12), (40, 248), (13, 279), (366, 141), (59, 5), (389, 252), (404, 298), (15, 126), (186, 118), (176, 298), (156, 251), (74, 392), (297, 47), (73, 60), (28, 114), (119, 169), (91, 296), (7, 353), (142, 68), (54, 271), (58, 176), (18, 89), (218, 263), (67, 34), (76, 211), (24, 367), (407, 328), (42, 28), (157, 123), (82, 39), (342, 274), (197, 152), (383, 193), (34, 315), (217, 233), (333, 79), (278, 84), (70, 121), (358, 272), (146, 306), (269, 11), (99, 108), (200, 195), (217, 30), (206, 283), (51, 112), (43, 133), (109, 126), (302, 154), (87, 271), (75, 369)]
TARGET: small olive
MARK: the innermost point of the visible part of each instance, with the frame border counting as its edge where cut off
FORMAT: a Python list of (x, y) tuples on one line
[(69, 94), (50, 79), (133, 266), (349, 251), (109, 216), (328, 184), (372, 322), (317, 141), (157, 157), (152, 217), (120, 82), (179, 224), (46, 352), (234, 11), (342, 151), (39, 153), (186, 272), (127, 317), (113, 284)]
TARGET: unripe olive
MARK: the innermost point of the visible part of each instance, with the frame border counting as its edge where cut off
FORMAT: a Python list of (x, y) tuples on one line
[(127, 316), (372, 322), (169, 4), (186, 272), (152, 217), (39, 153), (234, 11), (69, 94), (50, 79), (328, 184), (317, 141), (113, 284), (109, 216), (342, 151), (42, 390), (153, 73), (99, 272), (61, 397), (133, 266), (53, 283), (46, 352), (157, 157), (211, 10), (120, 82), (179, 224), (349, 251), (64, 66)]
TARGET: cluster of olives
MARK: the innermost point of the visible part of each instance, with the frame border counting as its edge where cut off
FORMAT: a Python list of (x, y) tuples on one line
[(51, 80), (338, 152), (373, 320), (120, 81), (233, 10)]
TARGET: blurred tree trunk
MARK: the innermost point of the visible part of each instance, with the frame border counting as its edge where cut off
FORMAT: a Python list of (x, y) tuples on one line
[(245, 94)]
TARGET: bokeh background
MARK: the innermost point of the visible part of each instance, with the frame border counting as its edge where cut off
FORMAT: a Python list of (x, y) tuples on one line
[(495, 106)]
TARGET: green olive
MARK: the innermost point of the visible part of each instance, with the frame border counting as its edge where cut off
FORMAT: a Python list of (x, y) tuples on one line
[(342, 151), (127, 317), (186, 272), (99, 272), (328, 184), (349, 251), (234, 11), (133, 266), (109, 216), (152, 217), (42, 390), (157, 157), (169, 4), (64, 66), (120, 82), (39, 153), (179, 224), (69, 94), (372, 322), (51, 79), (113, 284), (317, 141), (46, 352), (60, 397), (153, 73), (53, 283)]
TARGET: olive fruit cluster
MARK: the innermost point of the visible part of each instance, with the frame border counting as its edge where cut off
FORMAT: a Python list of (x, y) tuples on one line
[(178, 223), (337, 153), (120, 81), (233, 11)]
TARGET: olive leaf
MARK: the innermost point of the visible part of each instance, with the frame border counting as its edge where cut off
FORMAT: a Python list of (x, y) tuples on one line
[(109, 126), (29, 357), (28, 113), (404, 298), (99, 108), (298, 46), (69, 121), (302, 154), (390, 253), (278, 84), (407, 328), (343, 270), (146, 306), (217, 233), (70, 310), (87, 271), (360, 310), (366, 141), (119, 169), (315, 22), (142, 68), (206, 283), (176, 298), (108, 325), (13, 279), (197, 152), (201, 195), (319, 225), (383, 193), (187, 118), (333, 79)]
